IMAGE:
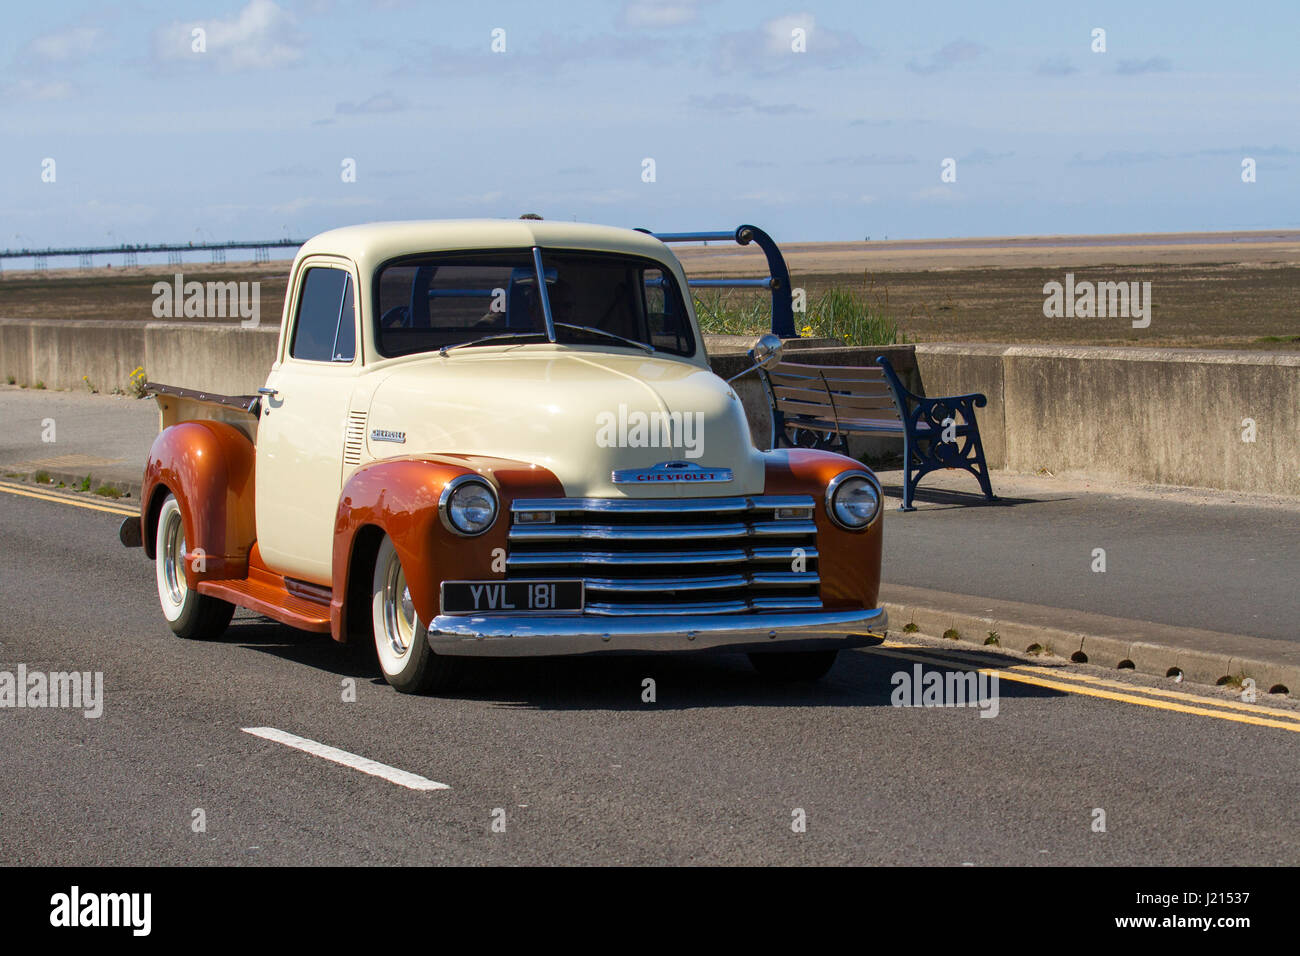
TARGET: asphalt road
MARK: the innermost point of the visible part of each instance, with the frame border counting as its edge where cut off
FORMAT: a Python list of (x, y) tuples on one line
[(584, 770)]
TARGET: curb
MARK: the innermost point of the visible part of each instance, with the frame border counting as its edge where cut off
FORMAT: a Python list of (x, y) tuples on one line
[(1197, 665), (131, 489)]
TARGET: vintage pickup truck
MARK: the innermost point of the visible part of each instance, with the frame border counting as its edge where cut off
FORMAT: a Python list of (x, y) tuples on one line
[(501, 437)]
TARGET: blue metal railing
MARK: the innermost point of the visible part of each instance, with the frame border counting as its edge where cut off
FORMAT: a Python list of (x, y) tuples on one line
[(777, 280)]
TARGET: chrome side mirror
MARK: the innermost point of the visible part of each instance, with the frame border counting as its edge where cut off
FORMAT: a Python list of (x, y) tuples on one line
[(766, 351)]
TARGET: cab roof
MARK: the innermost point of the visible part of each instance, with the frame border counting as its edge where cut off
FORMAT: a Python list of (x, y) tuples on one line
[(371, 244)]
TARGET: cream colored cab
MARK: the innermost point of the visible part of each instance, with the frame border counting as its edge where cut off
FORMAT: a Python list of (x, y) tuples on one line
[(380, 357)]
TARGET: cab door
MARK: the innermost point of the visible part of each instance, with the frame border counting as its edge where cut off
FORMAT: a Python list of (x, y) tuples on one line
[(304, 414)]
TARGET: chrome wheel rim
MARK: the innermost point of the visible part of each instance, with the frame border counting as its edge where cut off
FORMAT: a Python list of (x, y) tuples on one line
[(399, 611), (173, 559)]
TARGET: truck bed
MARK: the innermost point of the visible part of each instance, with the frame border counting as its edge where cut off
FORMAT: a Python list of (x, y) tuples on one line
[(176, 404)]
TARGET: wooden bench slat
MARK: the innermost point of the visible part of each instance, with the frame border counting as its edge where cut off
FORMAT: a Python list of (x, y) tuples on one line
[(808, 409), (801, 394), (830, 373), (893, 425), (844, 401), (795, 381), (853, 376), (841, 401)]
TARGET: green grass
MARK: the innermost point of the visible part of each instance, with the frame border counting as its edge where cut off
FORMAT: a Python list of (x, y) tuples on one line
[(42, 478), (839, 312), (108, 491)]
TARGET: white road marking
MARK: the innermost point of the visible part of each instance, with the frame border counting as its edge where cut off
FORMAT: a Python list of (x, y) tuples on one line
[(402, 778)]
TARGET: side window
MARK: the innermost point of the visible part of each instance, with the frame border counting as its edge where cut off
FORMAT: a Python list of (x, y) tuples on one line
[(669, 329), (345, 345), (325, 328)]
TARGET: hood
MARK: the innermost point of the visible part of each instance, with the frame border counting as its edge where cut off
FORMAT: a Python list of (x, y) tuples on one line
[(582, 414)]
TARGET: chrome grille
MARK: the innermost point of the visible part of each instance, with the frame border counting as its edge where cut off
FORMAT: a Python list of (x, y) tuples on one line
[(672, 556)]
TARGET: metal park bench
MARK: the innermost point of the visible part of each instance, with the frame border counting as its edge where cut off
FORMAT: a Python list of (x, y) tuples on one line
[(820, 406)]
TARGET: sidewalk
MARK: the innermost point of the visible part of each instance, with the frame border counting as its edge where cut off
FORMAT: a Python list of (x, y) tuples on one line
[(104, 436), (1208, 579)]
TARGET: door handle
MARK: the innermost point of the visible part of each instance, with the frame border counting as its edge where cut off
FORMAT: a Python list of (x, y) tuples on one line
[(267, 390)]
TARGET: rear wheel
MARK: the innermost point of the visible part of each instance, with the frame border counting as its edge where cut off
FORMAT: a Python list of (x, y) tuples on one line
[(190, 614), (401, 638), (793, 665)]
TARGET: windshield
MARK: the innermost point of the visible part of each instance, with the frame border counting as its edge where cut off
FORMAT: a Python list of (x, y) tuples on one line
[(426, 303)]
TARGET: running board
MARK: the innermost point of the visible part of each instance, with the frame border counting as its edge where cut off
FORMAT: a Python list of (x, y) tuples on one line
[(267, 593)]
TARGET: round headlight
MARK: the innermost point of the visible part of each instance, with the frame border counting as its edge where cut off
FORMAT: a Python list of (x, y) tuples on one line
[(468, 505), (853, 500)]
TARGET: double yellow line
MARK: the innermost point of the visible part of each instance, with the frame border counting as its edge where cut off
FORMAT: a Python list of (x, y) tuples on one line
[(1053, 678), (64, 498)]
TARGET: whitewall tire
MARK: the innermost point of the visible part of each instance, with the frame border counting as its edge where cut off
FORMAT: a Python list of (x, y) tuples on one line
[(188, 613), (401, 638)]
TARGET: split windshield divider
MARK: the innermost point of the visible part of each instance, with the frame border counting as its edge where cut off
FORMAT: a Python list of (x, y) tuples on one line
[(541, 291)]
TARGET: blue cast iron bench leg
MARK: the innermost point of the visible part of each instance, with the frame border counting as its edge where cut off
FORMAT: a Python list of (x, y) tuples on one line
[(938, 433)]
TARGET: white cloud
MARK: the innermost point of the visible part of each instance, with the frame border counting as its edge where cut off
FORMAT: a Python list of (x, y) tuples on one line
[(258, 37), (63, 46), (779, 32), (953, 54), (659, 13), (770, 47)]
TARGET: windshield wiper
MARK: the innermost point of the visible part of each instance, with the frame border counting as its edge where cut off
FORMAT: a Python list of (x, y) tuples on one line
[(490, 338), (587, 328)]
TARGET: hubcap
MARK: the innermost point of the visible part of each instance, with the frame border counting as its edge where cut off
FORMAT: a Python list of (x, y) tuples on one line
[(399, 611), (173, 560)]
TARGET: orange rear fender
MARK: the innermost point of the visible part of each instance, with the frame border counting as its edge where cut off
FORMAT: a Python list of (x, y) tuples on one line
[(208, 466)]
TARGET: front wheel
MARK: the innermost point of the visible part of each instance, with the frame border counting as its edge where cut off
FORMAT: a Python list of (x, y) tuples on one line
[(190, 614), (793, 665), (401, 639)]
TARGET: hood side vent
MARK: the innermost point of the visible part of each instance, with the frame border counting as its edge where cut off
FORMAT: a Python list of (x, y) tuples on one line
[(354, 439)]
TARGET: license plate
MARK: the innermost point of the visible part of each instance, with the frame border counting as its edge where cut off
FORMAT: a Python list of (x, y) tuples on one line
[(510, 597)]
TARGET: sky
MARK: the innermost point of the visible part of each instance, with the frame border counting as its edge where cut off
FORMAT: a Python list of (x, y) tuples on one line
[(815, 121)]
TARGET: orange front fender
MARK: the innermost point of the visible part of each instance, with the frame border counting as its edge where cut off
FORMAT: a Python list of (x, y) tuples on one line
[(849, 562), (400, 497)]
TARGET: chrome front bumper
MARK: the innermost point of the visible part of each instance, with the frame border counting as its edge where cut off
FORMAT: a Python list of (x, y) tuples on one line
[(515, 636)]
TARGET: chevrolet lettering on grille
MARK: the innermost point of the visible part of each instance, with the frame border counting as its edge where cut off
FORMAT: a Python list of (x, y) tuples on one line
[(672, 471)]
